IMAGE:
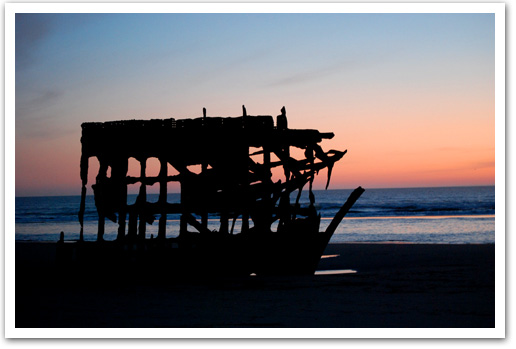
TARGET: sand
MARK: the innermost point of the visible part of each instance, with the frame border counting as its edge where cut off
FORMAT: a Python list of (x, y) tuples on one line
[(395, 285)]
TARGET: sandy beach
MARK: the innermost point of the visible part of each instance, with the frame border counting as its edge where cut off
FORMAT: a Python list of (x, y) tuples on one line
[(395, 285)]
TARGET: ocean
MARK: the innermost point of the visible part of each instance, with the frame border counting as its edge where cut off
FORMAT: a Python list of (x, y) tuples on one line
[(451, 215)]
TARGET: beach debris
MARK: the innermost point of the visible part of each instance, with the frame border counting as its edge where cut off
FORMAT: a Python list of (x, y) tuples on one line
[(237, 157)]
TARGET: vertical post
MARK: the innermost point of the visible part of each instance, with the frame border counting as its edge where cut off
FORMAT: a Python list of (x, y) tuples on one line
[(204, 216), (282, 124), (81, 211), (183, 224), (100, 231), (224, 225), (101, 182), (267, 163), (142, 199), (84, 179), (162, 228), (267, 180), (245, 175), (120, 173), (132, 230)]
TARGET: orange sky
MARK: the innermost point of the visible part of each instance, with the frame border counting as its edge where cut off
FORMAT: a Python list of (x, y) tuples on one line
[(411, 97)]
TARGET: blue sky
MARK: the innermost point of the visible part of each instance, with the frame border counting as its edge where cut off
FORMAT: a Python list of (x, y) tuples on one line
[(351, 73)]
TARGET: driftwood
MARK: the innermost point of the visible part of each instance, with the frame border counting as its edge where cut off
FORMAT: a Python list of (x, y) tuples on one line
[(232, 183), (353, 197), (229, 182)]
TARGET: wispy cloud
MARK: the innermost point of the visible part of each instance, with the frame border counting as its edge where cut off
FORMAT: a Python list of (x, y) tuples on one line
[(44, 127), (28, 105), (464, 149), (39, 114), (464, 166), (307, 76), (317, 73), (483, 164)]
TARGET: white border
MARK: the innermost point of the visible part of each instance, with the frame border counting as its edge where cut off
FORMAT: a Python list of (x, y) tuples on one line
[(497, 8), (500, 242), (232, 7), (9, 167)]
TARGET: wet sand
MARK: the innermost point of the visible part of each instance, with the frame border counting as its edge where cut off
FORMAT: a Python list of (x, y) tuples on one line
[(395, 285)]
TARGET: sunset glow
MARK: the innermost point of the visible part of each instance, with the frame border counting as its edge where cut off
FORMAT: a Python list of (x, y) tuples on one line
[(410, 96)]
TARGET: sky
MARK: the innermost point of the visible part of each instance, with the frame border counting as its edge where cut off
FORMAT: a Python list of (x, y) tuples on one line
[(410, 96)]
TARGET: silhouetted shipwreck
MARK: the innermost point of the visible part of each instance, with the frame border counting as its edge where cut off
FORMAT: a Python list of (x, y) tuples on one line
[(234, 182)]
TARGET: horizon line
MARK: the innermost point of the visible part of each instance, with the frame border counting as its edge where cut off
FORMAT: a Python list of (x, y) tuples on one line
[(375, 188)]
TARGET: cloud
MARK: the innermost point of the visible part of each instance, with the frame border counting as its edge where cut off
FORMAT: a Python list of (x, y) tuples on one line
[(303, 77), (39, 114), (319, 73), (461, 166), (26, 106), (44, 127), (465, 149), (483, 164)]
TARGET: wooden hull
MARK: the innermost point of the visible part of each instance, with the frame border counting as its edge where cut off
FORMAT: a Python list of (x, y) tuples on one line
[(232, 255), (295, 249)]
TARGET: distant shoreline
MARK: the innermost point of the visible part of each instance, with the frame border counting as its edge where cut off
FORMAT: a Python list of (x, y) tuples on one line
[(450, 215), (315, 190)]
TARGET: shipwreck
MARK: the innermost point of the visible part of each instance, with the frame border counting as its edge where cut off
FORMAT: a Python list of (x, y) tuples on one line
[(231, 185)]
